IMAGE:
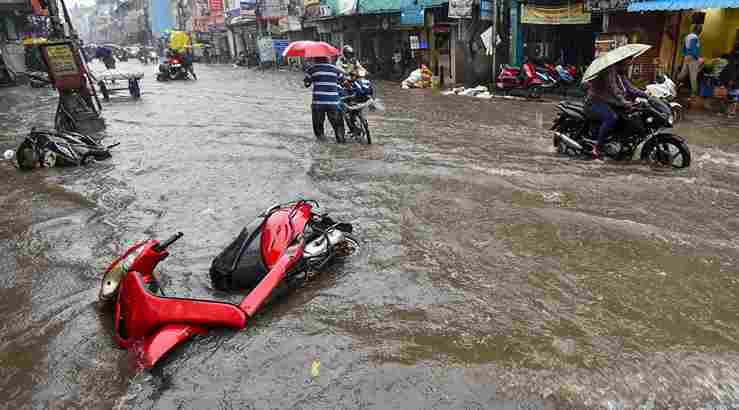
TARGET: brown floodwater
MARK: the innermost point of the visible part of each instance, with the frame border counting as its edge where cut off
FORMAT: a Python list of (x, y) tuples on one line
[(493, 272)]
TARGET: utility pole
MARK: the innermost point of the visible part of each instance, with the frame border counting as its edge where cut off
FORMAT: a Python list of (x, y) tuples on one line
[(494, 36)]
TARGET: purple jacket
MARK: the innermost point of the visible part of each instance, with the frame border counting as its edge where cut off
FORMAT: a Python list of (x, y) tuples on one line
[(613, 89)]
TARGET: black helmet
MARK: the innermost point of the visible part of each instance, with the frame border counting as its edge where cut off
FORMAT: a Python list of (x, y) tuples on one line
[(347, 51)]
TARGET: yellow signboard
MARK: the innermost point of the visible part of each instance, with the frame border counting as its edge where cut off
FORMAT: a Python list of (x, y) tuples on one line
[(572, 14), (61, 60), (308, 3)]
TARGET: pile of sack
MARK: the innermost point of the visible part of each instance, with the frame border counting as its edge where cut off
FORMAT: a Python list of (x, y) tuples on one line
[(419, 78)]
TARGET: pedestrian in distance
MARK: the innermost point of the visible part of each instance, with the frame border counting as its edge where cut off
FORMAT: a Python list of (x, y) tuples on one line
[(692, 62), (187, 61), (326, 79), (729, 78)]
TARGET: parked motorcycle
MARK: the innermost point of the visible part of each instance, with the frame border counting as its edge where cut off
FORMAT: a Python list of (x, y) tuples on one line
[(647, 124), (523, 78), (172, 69), (282, 249), (665, 90), (548, 74), (567, 74), (51, 148), (359, 95)]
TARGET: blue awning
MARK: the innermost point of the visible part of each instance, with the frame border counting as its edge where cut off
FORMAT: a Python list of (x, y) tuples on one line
[(670, 5)]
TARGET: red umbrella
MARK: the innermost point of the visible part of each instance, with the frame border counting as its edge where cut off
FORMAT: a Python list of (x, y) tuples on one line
[(310, 49)]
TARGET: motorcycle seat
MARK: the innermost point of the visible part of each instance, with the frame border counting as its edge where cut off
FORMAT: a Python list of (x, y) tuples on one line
[(510, 67), (574, 105), (573, 109), (139, 313)]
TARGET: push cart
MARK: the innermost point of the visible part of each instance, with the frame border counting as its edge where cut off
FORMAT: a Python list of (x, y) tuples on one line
[(111, 81)]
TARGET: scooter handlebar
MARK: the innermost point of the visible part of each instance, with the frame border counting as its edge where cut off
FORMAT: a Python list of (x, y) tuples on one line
[(172, 239)]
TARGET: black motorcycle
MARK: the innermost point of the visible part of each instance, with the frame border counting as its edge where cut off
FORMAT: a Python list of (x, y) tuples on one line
[(356, 99), (51, 148), (647, 124), (172, 69)]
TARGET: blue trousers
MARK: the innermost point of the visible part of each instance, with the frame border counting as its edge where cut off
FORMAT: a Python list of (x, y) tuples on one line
[(607, 118)]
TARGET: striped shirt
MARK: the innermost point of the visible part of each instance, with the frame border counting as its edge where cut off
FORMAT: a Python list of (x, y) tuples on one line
[(325, 79)]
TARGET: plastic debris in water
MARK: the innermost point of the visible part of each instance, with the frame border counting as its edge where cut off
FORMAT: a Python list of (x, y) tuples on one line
[(315, 368), (9, 154)]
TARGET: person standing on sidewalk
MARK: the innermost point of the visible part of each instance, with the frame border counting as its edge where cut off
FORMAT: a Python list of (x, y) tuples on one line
[(691, 63), (325, 79)]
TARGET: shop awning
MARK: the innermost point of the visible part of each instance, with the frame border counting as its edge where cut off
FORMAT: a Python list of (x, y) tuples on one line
[(670, 5)]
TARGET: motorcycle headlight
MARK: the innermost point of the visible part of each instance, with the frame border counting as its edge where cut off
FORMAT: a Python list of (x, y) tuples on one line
[(650, 120), (670, 119)]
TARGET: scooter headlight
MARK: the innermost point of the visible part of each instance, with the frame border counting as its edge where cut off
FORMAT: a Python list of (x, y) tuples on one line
[(670, 119)]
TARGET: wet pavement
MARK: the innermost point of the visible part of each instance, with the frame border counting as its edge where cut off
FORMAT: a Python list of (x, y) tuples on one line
[(493, 272)]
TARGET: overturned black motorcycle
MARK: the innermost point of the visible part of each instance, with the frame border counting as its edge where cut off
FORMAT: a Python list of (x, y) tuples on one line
[(647, 124), (51, 148)]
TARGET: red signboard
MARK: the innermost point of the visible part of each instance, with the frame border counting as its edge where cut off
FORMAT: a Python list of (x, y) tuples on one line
[(38, 9), (216, 6), (64, 65)]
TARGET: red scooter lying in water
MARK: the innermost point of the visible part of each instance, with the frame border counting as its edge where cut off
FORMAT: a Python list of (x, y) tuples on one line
[(281, 249)]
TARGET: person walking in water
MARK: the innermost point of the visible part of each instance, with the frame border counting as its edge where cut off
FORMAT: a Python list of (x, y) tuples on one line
[(325, 79), (691, 63)]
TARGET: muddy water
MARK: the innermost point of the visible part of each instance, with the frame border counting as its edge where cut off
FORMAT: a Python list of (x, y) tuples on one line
[(493, 272)]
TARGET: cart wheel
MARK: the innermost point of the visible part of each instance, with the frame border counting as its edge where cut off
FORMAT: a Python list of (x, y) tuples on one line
[(104, 91)]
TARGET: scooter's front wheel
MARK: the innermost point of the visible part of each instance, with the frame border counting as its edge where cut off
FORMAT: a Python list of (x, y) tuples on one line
[(346, 248)]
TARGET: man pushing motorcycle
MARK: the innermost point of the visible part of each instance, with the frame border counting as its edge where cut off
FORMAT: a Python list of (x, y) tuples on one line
[(326, 80), (610, 94)]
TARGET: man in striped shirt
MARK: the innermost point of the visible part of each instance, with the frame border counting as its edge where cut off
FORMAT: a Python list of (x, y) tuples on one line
[(326, 79)]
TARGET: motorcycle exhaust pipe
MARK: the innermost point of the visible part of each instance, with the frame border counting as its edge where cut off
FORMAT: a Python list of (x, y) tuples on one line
[(569, 141)]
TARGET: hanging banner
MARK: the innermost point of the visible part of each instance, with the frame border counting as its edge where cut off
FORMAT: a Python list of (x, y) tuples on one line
[(606, 5), (460, 9), (573, 14)]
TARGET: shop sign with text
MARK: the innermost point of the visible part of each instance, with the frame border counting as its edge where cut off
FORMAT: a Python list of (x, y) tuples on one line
[(564, 14)]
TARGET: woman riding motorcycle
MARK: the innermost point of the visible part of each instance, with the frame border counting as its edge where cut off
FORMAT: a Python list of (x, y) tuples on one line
[(609, 93)]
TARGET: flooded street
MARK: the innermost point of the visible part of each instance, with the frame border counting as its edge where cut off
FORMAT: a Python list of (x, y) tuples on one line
[(491, 269)]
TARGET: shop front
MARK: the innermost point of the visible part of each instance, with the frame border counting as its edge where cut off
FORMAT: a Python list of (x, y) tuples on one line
[(440, 42), (560, 33), (244, 32), (719, 24)]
